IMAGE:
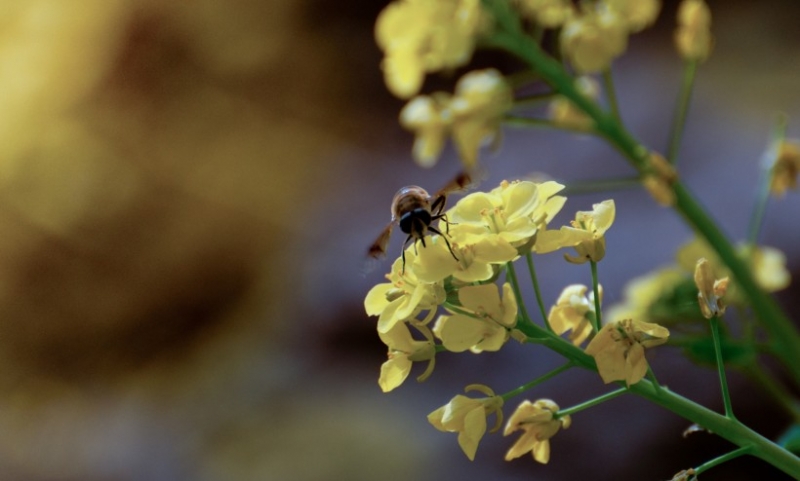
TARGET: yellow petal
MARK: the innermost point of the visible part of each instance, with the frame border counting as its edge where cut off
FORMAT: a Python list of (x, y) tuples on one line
[(635, 365), (458, 333), (394, 372), (376, 301), (520, 198), (474, 429), (541, 451), (388, 317)]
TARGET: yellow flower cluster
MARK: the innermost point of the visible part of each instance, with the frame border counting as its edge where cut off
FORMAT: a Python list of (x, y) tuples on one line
[(641, 294), (471, 115), (592, 37), (488, 229), (423, 36), (492, 228)]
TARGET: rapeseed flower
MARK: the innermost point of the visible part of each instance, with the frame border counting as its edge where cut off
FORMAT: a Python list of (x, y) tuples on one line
[(467, 417), (593, 39), (710, 290), (538, 422), (484, 322), (423, 36), (403, 351), (574, 311), (587, 233), (403, 297), (619, 348)]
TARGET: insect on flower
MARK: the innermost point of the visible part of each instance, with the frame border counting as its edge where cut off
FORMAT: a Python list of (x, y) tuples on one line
[(415, 210)]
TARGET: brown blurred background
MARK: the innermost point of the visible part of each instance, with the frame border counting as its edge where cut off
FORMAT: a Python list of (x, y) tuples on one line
[(187, 189)]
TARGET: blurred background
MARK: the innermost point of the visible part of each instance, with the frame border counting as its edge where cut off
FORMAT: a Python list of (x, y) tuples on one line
[(187, 191)]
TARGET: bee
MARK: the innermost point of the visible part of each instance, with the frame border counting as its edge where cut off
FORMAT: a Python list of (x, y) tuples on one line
[(415, 210)]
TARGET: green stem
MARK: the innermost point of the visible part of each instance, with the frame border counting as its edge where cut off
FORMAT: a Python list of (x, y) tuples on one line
[(611, 94), (764, 181), (780, 328), (527, 122), (652, 377), (598, 320), (591, 186), (512, 276), (555, 372), (537, 290), (590, 403), (729, 429), (723, 380), (681, 108), (722, 459)]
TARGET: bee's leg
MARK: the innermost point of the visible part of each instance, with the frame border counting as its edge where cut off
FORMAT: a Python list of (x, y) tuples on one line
[(419, 233), (403, 255), (447, 223), (438, 205), (436, 231)]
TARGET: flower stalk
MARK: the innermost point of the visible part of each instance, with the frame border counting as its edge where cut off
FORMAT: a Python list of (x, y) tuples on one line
[(681, 109), (723, 380)]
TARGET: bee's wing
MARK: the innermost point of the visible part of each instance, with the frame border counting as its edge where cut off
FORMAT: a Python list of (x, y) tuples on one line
[(378, 248), (462, 182)]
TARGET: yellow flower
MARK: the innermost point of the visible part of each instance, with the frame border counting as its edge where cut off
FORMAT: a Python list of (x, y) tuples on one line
[(478, 256), (565, 114), (467, 417), (422, 36), (492, 228), (785, 168), (511, 213), (486, 324), (539, 424), (636, 14), (769, 268), (430, 119), (619, 348), (481, 99), (403, 351), (505, 214), (693, 36), (547, 13), (574, 311), (472, 115), (588, 230), (710, 290), (591, 41), (403, 297)]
